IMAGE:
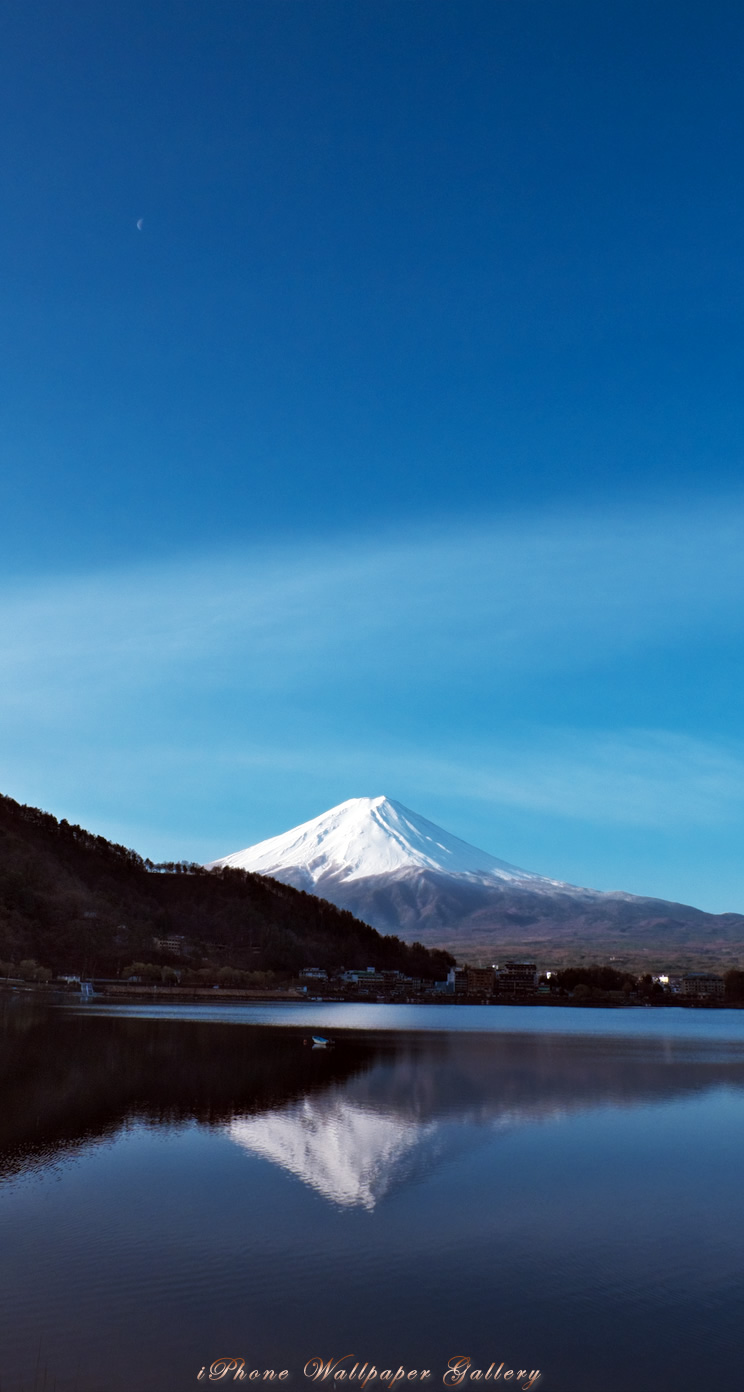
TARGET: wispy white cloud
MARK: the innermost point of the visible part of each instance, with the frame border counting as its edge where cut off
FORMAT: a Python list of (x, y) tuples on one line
[(644, 778), (544, 595), (649, 778), (202, 802), (359, 666)]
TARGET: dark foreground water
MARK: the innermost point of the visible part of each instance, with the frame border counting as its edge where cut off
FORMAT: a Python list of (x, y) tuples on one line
[(550, 1190)]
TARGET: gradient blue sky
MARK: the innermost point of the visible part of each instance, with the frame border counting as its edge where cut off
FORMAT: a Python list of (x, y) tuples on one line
[(400, 450)]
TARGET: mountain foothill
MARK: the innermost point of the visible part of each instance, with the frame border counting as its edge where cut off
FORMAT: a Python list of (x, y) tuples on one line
[(404, 874), (367, 884), (71, 901)]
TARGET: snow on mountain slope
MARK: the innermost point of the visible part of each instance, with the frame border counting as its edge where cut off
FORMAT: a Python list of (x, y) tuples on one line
[(354, 1155), (399, 872), (367, 837), (347, 1153)]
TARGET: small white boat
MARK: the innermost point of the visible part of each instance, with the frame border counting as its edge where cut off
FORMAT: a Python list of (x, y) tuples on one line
[(320, 1042)]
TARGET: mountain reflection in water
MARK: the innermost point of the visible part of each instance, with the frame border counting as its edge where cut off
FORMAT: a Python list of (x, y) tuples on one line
[(174, 1188), (345, 1152), (352, 1123)]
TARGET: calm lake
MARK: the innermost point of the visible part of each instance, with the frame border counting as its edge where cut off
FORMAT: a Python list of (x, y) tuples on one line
[(543, 1189)]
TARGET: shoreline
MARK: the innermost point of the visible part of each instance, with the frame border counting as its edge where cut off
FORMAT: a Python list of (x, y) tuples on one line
[(185, 995)]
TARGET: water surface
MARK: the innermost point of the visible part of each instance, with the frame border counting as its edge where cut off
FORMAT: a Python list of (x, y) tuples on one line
[(555, 1189)]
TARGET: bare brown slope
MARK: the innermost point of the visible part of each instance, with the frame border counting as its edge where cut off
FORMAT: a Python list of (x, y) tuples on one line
[(564, 926)]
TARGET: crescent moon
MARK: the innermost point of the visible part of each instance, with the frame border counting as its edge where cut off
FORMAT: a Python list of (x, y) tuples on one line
[(140, 224)]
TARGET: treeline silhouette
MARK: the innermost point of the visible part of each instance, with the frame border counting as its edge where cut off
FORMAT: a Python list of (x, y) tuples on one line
[(610, 981), (75, 902)]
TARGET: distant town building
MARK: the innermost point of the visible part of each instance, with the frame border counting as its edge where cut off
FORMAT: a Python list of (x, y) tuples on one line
[(471, 981), (703, 986), (479, 981), (516, 979), (313, 974), (365, 977), (175, 944)]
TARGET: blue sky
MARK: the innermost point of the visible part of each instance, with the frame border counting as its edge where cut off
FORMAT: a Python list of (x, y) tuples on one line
[(400, 449)]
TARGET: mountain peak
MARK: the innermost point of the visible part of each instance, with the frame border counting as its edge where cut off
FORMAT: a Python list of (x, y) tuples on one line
[(403, 874), (368, 836)]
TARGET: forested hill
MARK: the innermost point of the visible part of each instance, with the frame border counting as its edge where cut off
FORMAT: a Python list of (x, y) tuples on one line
[(75, 902)]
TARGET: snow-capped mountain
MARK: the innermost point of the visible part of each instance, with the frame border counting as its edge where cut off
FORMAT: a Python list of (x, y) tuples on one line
[(405, 875), (365, 837)]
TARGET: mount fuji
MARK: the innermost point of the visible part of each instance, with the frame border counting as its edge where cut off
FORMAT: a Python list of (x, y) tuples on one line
[(405, 875)]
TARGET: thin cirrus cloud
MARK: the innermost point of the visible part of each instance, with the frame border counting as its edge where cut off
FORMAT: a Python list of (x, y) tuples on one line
[(507, 596), (625, 777), (635, 777), (401, 659)]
